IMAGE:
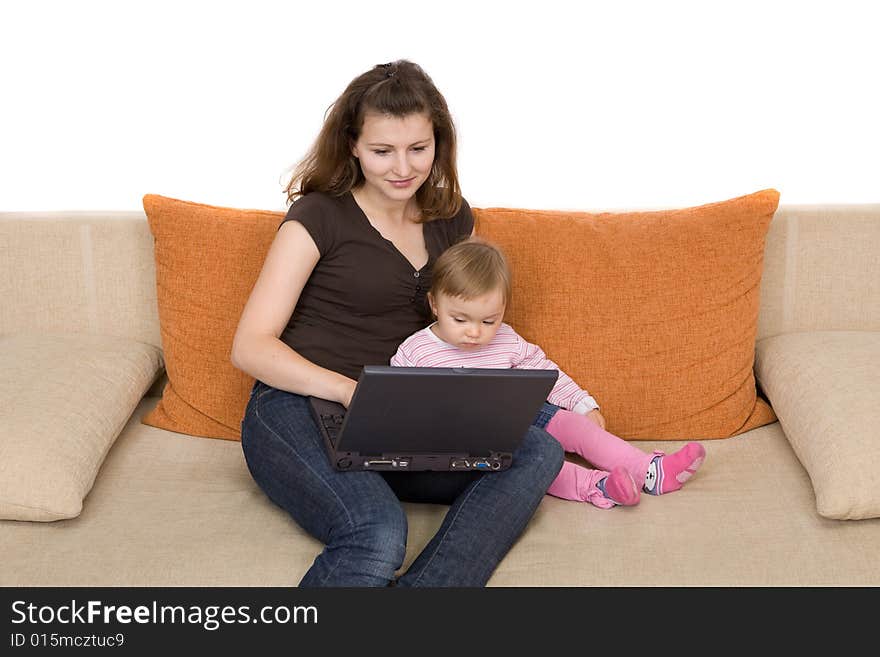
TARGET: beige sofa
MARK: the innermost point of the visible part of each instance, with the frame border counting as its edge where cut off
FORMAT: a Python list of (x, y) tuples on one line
[(79, 330)]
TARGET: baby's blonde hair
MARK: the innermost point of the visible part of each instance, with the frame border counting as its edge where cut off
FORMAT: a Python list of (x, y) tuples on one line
[(469, 269)]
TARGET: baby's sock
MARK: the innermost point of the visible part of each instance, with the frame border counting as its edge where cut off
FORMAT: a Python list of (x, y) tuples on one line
[(598, 487), (669, 472), (619, 487)]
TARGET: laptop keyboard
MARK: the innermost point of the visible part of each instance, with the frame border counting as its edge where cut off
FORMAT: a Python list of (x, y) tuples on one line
[(333, 424)]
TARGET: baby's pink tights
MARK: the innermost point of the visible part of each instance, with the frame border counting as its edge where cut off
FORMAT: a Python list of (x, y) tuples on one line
[(655, 473)]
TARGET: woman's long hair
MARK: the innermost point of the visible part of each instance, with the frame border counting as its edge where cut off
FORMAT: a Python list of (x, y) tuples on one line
[(397, 89)]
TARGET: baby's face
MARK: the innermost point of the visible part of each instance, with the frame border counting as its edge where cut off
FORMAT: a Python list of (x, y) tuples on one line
[(468, 323)]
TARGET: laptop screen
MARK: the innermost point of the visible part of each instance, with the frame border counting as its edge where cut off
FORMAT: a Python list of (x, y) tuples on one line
[(443, 410)]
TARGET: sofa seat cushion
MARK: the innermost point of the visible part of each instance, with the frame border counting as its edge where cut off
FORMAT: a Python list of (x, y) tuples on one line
[(65, 400), (825, 389), (167, 510)]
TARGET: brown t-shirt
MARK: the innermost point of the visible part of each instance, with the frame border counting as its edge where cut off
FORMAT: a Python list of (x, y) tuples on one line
[(363, 297)]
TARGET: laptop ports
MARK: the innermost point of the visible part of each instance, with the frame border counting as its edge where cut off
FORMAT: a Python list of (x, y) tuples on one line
[(388, 464), (378, 463), (475, 464)]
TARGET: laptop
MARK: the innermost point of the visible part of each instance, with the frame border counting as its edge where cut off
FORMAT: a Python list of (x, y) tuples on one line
[(432, 418)]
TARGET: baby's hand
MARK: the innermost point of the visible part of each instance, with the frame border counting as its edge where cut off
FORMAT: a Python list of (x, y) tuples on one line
[(596, 417)]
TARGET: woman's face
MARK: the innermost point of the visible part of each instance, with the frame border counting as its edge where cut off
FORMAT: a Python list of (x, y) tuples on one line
[(395, 153)]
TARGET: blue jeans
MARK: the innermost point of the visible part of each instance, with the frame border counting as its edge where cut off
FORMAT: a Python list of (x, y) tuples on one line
[(359, 516), (545, 414)]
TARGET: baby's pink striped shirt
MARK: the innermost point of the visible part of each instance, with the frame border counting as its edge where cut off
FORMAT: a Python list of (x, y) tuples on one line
[(507, 350)]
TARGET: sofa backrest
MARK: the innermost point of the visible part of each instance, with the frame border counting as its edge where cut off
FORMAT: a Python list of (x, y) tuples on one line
[(821, 270), (78, 272), (93, 272)]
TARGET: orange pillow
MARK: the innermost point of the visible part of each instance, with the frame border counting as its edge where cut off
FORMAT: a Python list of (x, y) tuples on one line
[(207, 260), (654, 313)]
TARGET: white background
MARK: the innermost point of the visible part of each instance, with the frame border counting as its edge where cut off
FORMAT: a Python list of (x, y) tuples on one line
[(559, 104)]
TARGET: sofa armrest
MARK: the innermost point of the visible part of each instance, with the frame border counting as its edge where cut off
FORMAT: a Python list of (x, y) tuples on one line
[(66, 398), (824, 387)]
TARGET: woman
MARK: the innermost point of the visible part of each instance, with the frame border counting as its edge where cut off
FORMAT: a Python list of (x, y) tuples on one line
[(375, 202)]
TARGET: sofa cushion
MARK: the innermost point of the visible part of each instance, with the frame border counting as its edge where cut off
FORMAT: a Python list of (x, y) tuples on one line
[(168, 510), (682, 284), (653, 312), (65, 400), (207, 260), (825, 388)]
